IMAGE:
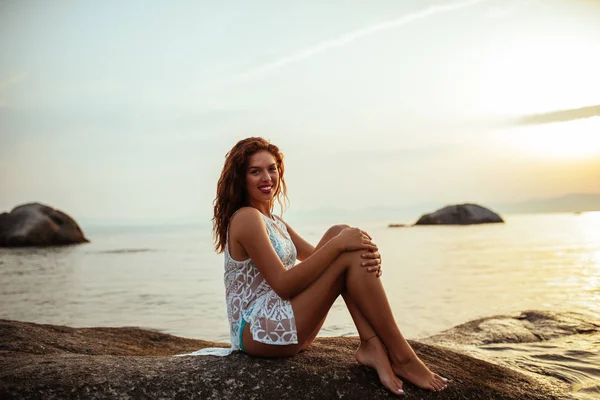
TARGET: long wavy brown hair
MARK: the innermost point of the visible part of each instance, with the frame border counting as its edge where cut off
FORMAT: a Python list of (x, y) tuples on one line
[(231, 189)]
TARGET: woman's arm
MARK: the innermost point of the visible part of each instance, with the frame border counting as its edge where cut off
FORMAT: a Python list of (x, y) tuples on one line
[(304, 250), (248, 228)]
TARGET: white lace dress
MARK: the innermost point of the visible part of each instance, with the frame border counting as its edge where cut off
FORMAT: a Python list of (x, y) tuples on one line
[(250, 297)]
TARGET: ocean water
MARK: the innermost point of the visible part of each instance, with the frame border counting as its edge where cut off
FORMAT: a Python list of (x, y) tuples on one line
[(168, 278)]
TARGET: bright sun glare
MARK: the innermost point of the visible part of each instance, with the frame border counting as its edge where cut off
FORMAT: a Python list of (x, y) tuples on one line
[(564, 140), (541, 73)]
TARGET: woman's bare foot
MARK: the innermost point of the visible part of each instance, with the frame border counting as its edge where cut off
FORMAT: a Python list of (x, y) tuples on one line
[(414, 371), (371, 353)]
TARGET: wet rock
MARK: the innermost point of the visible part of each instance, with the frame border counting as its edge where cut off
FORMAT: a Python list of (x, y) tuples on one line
[(551, 345), (460, 214), (57, 362), (35, 224), (525, 327)]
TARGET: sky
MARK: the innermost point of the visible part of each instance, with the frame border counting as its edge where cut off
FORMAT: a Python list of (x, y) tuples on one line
[(125, 110)]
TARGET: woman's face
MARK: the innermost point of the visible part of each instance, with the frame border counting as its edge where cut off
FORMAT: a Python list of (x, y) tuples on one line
[(262, 177)]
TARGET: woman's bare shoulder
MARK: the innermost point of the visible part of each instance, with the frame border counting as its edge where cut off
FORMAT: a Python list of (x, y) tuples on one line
[(246, 217)]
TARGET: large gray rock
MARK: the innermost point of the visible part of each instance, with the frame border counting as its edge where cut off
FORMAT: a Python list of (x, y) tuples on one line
[(35, 224), (543, 343), (460, 214), (526, 327), (57, 362)]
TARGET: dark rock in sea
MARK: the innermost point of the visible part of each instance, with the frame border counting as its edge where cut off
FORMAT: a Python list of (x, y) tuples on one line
[(397, 226), (57, 362), (460, 214), (35, 224)]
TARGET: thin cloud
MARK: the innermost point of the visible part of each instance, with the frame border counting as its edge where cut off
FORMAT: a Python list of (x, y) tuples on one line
[(351, 37), (13, 80), (559, 116), (7, 83), (503, 11)]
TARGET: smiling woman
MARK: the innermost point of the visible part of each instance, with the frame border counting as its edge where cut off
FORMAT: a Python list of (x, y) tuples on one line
[(276, 306)]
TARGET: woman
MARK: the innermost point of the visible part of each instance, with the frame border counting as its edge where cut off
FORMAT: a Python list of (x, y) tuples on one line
[(275, 306)]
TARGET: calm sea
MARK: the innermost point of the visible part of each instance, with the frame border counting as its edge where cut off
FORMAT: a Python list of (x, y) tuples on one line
[(168, 278)]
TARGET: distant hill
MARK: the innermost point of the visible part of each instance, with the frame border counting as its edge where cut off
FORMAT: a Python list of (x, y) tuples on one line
[(410, 213), (567, 203)]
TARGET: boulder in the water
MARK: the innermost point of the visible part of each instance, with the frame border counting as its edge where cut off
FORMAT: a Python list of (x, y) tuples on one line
[(460, 214), (35, 224)]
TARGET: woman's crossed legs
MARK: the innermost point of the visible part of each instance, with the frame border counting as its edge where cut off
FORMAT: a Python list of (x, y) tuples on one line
[(367, 302)]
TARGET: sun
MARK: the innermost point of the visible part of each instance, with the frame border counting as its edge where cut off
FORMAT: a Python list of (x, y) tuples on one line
[(541, 72), (564, 140)]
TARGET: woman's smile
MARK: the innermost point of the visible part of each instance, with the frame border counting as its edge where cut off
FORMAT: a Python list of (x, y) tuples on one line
[(265, 188)]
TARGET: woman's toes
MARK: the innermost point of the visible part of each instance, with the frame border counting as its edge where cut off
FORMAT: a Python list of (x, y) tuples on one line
[(439, 381), (437, 385), (399, 384), (394, 387)]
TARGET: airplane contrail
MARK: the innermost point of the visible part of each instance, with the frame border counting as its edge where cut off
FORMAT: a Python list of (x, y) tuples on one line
[(559, 116), (352, 36)]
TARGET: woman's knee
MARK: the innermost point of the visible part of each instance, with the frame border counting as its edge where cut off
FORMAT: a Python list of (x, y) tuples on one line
[(330, 234), (352, 259), (335, 230), (353, 266)]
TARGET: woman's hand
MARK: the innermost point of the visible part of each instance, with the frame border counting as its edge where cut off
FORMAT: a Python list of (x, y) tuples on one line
[(372, 259), (352, 239), (372, 262)]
